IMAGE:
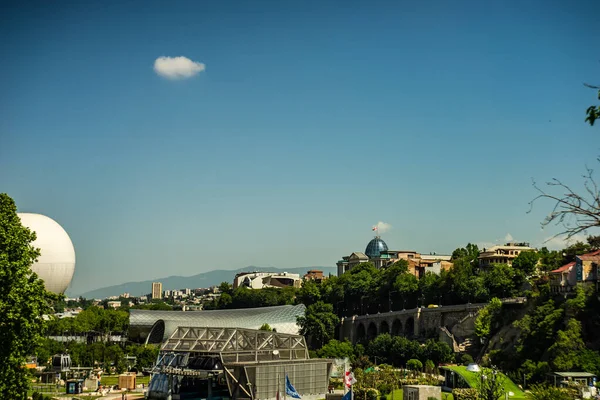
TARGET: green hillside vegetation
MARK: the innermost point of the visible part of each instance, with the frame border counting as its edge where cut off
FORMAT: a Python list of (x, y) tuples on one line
[(473, 380)]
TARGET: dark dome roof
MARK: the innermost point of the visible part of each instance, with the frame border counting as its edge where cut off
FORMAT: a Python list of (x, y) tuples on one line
[(375, 247)]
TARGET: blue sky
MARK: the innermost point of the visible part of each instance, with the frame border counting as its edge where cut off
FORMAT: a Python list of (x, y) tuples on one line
[(311, 122)]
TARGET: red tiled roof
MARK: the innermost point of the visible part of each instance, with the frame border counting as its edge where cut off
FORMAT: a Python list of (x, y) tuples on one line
[(563, 268), (589, 257)]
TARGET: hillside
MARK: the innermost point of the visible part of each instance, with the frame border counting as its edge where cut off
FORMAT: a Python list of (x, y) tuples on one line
[(203, 280)]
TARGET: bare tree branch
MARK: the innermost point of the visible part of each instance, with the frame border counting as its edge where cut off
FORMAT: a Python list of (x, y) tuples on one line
[(575, 212)]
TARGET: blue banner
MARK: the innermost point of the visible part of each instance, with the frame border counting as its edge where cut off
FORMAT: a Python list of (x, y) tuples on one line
[(348, 396), (289, 389)]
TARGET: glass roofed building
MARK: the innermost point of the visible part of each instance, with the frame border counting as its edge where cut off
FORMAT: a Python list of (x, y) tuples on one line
[(155, 326)]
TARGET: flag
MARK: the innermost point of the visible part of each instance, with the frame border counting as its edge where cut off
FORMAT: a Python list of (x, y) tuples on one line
[(374, 228), (289, 389), (348, 396), (349, 379)]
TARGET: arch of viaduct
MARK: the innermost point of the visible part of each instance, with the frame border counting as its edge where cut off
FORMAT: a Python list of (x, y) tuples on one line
[(417, 322)]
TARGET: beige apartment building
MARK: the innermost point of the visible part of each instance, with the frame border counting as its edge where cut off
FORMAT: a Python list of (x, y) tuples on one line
[(157, 290), (502, 254)]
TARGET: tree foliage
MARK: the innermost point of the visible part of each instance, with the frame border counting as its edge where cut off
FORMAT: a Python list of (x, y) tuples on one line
[(593, 112), (491, 385), (318, 323), (94, 319), (265, 327), (483, 322), (397, 350), (337, 349), (547, 392), (23, 301), (526, 261)]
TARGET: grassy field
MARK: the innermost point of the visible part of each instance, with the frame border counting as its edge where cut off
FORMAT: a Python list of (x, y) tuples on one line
[(472, 379)]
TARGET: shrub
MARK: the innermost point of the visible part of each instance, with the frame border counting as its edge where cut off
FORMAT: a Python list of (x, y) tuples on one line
[(544, 392), (372, 394), (429, 366), (465, 394), (466, 359), (414, 364), (384, 388)]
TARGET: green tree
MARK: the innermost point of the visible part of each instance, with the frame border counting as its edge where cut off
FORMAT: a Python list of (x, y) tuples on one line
[(225, 287), (500, 280), (309, 292), (491, 385), (483, 322), (550, 260), (23, 301), (429, 287), (407, 286), (436, 351), (469, 253), (336, 349), (265, 327), (429, 367), (567, 348), (318, 323), (526, 261), (594, 242)]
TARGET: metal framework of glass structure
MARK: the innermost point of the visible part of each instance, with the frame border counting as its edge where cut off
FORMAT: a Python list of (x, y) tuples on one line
[(235, 363), (153, 326), (375, 247)]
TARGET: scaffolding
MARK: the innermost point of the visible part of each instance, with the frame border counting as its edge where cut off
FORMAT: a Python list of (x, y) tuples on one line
[(244, 363)]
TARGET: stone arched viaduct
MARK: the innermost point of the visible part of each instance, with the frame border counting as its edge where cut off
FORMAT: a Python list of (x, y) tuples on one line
[(418, 322)]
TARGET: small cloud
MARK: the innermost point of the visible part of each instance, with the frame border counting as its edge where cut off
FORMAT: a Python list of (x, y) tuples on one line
[(508, 238), (177, 67), (382, 227)]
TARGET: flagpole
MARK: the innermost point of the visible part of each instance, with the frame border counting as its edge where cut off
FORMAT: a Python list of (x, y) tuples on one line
[(284, 384)]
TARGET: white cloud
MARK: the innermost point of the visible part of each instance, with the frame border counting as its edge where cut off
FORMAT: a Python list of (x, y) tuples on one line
[(508, 238), (383, 227), (177, 67)]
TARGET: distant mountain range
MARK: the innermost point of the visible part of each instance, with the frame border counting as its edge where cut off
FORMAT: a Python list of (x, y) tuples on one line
[(203, 280)]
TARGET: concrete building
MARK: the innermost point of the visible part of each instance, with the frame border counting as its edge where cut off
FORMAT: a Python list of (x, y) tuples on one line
[(113, 304), (502, 254), (421, 392), (260, 280), (380, 256), (156, 290), (314, 275)]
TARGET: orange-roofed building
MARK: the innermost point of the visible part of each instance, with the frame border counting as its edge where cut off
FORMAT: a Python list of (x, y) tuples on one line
[(583, 271)]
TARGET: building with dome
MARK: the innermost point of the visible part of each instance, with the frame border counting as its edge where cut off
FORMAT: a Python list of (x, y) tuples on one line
[(56, 263), (378, 253)]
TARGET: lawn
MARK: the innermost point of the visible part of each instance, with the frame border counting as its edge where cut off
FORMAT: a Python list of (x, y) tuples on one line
[(472, 379)]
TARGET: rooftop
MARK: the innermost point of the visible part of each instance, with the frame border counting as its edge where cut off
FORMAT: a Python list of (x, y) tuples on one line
[(564, 268), (573, 374)]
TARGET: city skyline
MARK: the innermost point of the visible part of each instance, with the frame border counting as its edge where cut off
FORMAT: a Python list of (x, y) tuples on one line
[(288, 131)]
